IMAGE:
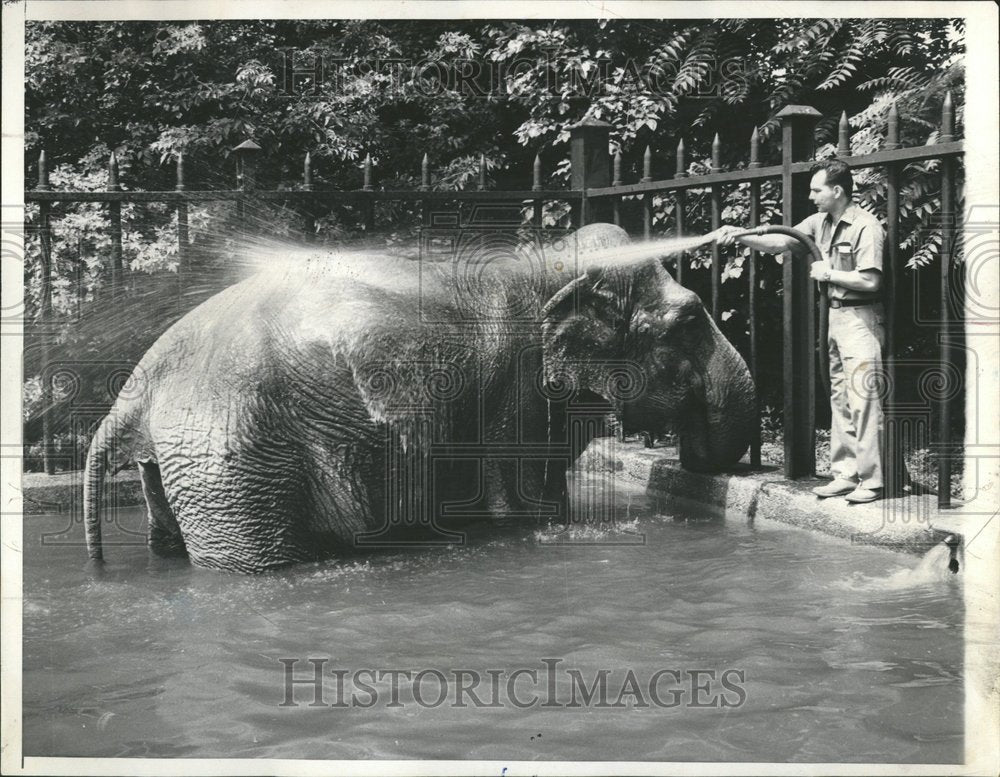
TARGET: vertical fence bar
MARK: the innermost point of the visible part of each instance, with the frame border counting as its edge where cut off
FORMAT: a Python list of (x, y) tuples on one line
[(680, 202), (799, 342), (536, 186), (308, 215), (246, 179), (425, 186), (45, 314), (481, 183), (947, 244), (647, 199), (617, 181), (369, 186), (892, 455), (115, 215), (679, 205), (183, 260), (752, 292), (716, 223)]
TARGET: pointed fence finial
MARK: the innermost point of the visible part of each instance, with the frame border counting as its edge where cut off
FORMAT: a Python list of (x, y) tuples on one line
[(716, 154), (681, 171), (368, 173), (246, 174), (180, 172), (43, 172), (947, 119), (536, 174), (425, 173), (617, 168), (647, 165), (113, 173), (307, 173), (844, 136), (892, 129), (754, 149), (482, 172)]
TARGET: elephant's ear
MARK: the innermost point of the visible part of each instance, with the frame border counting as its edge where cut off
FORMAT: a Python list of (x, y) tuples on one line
[(581, 333)]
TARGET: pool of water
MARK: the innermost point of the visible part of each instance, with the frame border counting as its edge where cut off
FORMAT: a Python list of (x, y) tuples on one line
[(745, 644)]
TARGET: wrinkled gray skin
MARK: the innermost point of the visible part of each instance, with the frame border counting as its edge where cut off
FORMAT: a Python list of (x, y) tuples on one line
[(288, 414)]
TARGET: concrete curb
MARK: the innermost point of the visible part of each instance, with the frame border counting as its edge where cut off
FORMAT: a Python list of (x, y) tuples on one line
[(910, 523)]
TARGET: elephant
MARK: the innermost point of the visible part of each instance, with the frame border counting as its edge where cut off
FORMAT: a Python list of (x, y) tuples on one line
[(349, 400)]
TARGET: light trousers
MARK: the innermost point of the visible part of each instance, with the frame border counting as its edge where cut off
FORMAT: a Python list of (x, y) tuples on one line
[(857, 384)]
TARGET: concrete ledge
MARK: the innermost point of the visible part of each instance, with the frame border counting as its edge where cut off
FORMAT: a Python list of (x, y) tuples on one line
[(63, 492), (909, 523)]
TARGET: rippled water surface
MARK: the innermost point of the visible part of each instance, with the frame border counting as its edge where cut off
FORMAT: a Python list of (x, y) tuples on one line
[(848, 653)]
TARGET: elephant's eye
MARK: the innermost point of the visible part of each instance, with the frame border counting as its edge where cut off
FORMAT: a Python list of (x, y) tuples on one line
[(681, 318)]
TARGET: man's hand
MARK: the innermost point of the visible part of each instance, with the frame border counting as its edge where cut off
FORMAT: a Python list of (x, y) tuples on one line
[(820, 271), (724, 234)]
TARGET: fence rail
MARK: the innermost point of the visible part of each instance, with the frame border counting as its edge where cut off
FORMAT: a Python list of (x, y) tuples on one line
[(596, 194)]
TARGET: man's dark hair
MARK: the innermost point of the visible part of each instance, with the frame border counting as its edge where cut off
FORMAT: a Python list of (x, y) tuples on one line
[(837, 174)]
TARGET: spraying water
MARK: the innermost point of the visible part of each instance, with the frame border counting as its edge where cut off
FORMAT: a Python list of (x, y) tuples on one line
[(637, 253), (939, 566)]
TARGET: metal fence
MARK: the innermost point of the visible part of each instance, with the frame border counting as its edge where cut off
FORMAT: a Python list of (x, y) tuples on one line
[(595, 196)]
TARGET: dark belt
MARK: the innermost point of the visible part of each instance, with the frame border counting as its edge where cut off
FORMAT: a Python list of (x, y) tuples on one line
[(852, 303)]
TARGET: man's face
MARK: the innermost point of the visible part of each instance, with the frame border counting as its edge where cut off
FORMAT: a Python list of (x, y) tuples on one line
[(821, 195)]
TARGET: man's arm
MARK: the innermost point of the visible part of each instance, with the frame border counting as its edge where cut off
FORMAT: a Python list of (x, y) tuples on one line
[(867, 275), (869, 280), (768, 244)]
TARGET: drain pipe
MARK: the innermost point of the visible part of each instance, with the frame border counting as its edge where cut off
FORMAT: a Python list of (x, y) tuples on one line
[(824, 307)]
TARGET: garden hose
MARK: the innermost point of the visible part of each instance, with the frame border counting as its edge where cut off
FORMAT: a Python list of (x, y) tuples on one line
[(824, 308)]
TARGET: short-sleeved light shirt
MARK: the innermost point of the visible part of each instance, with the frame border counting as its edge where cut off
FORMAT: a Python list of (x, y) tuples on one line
[(853, 243)]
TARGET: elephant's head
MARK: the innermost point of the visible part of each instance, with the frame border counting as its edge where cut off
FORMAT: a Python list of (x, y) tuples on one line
[(627, 331)]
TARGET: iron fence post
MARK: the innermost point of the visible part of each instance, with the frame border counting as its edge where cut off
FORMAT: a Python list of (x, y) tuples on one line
[(680, 203), (892, 454), (536, 186), (716, 201), (616, 180), (369, 205), (246, 176), (182, 224), (115, 214), (946, 357), (647, 199), (308, 216), (45, 314), (797, 122), (590, 168), (752, 294), (425, 186)]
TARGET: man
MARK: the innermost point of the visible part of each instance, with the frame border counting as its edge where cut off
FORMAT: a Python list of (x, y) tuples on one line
[(851, 240)]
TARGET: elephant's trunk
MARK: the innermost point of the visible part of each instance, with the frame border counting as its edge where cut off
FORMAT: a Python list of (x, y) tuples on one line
[(719, 435)]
